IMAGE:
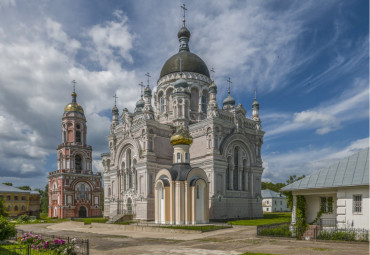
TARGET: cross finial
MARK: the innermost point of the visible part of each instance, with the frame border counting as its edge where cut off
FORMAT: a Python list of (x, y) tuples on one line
[(183, 17), (255, 93), (141, 84), (180, 60), (213, 73), (74, 86), (229, 82), (148, 75), (115, 99)]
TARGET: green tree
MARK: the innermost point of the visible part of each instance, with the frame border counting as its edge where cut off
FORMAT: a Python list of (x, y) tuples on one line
[(2, 209), (7, 229), (273, 186), (25, 187), (44, 199), (8, 183)]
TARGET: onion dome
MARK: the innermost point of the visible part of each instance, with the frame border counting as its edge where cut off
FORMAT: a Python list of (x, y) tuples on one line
[(180, 83), (73, 106), (229, 100), (212, 88), (183, 32), (182, 136), (255, 102), (115, 110), (147, 91), (140, 103)]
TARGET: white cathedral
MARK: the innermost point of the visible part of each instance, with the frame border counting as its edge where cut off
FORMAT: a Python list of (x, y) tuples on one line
[(226, 145)]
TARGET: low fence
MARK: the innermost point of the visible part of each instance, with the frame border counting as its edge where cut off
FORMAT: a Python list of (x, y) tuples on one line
[(81, 246)]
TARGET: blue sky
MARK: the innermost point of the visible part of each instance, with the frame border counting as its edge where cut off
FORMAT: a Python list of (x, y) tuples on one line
[(309, 61)]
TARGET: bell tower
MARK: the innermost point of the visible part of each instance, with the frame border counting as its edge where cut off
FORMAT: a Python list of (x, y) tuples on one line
[(74, 190)]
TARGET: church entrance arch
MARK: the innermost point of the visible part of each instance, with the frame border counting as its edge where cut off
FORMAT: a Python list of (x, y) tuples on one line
[(82, 212), (129, 206)]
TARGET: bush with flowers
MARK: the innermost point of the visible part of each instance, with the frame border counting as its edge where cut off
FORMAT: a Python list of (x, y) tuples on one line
[(59, 246)]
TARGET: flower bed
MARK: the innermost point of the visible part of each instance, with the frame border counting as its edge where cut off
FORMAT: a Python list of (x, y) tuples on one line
[(37, 242)]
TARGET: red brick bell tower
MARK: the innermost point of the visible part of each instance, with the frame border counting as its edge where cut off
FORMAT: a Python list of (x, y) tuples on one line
[(74, 190)]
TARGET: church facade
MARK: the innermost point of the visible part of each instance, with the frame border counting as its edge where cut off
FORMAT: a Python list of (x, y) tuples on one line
[(226, 143), (74, 190)]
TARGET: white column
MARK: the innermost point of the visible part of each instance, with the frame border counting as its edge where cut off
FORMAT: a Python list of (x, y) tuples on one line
[(294, 210)]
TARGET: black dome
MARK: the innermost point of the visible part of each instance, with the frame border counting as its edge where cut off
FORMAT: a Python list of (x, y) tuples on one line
[(190, 63), (183, 32)]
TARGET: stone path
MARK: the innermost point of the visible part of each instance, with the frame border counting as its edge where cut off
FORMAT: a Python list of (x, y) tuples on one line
[(105, 240)]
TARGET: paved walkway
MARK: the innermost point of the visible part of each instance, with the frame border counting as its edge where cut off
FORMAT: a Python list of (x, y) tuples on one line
[(106, 240)]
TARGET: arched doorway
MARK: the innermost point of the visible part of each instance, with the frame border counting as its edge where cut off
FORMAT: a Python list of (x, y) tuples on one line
[(82, 212), (129, 206)]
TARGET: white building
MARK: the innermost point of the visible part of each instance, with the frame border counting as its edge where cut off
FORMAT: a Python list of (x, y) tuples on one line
[(340, 191), (273, 201), (226, 143)]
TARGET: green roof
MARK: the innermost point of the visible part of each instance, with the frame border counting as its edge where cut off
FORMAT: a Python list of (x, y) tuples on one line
[(350, 171)]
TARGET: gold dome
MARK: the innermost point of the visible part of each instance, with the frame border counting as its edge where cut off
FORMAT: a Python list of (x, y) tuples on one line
[(73, 107), (181, 137)]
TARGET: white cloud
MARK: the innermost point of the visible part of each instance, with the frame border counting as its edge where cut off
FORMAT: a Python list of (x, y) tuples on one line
[(111, 39), (6, 3), (279, 166), (351, 105), (55, 31)]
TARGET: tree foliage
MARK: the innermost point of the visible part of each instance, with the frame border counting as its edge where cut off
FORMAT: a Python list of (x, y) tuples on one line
[(2, 209), (26, 187), (44, 199), (288, 194), (8, 183), (273, 186), (7, 229)]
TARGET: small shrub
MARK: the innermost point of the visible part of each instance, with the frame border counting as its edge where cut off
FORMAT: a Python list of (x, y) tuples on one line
[(7, 229), (23, 218), (344, 235), (282, 231)]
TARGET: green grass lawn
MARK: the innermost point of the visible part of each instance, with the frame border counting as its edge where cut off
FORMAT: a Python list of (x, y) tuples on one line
[(268, 218), (15, 249), (90, 220)]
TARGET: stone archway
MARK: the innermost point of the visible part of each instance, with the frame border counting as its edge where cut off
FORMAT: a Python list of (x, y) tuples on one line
[(82, 212)]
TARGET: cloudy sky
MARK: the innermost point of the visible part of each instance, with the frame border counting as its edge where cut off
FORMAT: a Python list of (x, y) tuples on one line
[(309, 61)]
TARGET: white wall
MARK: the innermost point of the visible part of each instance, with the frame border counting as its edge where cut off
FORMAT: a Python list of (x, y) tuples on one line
[(346, 216)]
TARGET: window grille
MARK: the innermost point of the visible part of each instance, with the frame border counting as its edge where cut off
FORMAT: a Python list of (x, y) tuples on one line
[(357, 203)]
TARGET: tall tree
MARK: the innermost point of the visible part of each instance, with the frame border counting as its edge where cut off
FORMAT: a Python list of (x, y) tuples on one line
[(44, 199)]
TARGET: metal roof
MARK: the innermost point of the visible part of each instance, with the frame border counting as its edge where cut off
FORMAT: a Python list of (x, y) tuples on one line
[(6, 188), (266, 193), (350, 171)]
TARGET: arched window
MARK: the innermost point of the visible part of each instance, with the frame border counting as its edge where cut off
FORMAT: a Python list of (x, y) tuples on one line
[(54, 187), (187, 159), (169, 100), (204, 101), (78, 163), (129, 158), (244, 175), (178, 158), (16, 208), (9, 208), (78, 136), (82, 191), (161, 103), (23, 208), (236, 169), (194, 99), (227, 179), (197, 191)]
